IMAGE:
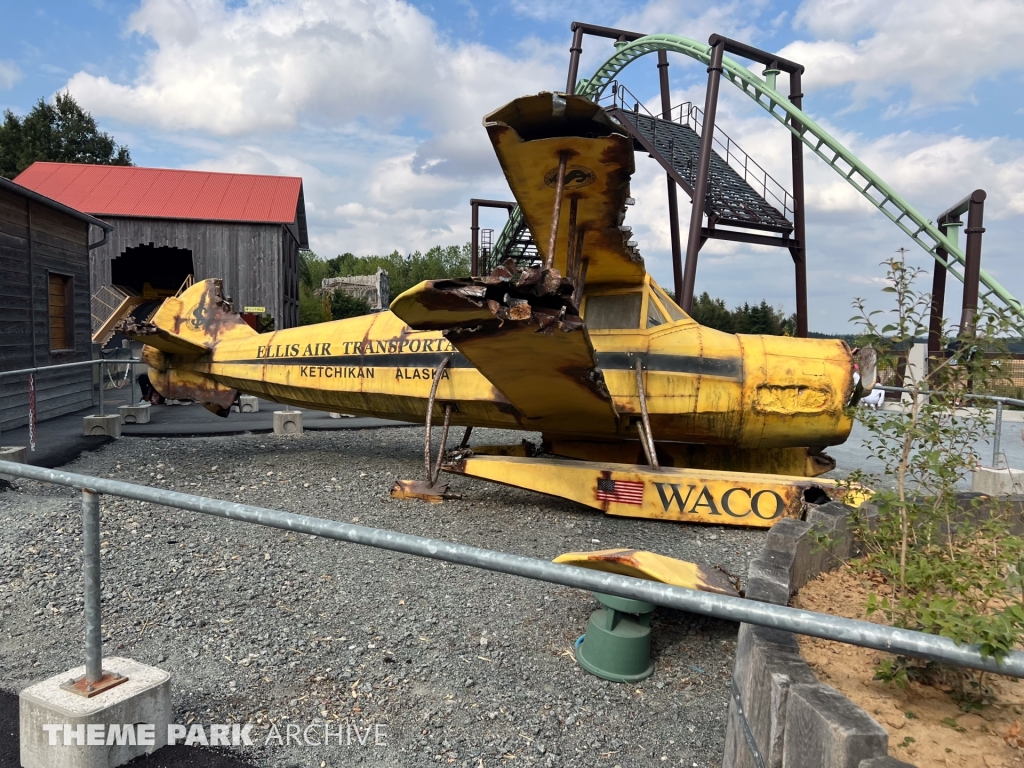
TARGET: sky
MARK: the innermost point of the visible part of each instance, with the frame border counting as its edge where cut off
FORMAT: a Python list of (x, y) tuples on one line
[(378, 106)]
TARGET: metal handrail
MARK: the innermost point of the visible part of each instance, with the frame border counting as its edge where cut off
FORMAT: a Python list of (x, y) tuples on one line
[(997, 426), (853, 632), (692, 116), (101, 362)]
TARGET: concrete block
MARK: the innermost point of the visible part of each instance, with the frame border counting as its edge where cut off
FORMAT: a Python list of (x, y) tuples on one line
[(827, 730), (768, 577), (248, 403), (767, 663), (884, 762), (997, 482), (288, 423), (16, 453), (109, 426), (774, 670), (794, 536), (144, 700), (135, 414), (832, 520)]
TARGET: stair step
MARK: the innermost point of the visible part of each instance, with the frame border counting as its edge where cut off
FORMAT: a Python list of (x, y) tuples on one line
[(732, 201)]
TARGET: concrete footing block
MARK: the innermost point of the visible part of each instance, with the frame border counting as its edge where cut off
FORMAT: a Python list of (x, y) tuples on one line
[(16, 453), (85, 736), (288, 423), (109, 426), (248, 404), (997, 482), (135, 414)]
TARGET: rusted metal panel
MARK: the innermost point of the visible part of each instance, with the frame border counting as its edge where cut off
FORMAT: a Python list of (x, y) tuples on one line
[(523, 334), (530, 136)]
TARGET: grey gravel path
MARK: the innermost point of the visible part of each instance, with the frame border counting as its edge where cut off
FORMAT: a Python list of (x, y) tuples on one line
[(461, 667)]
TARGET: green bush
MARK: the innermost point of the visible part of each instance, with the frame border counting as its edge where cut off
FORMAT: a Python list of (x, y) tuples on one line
[(949, 571)]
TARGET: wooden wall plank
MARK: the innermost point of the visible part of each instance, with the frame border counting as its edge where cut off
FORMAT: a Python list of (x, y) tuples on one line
[(246, 256)]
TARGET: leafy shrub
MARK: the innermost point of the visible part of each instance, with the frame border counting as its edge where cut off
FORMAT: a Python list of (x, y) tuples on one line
[(949, 570)]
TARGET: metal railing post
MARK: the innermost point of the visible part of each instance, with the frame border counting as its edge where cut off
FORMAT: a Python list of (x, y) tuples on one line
[(91, 573), (101, 385), (998, 433)]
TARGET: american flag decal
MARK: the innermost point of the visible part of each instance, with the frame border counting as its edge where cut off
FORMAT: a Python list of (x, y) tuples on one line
[(622, 491)]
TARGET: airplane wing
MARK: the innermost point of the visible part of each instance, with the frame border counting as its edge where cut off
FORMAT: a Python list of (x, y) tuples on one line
[(528, 135), (536, 352)]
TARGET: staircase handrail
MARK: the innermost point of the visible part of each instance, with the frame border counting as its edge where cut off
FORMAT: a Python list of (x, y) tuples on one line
[(692, 116)]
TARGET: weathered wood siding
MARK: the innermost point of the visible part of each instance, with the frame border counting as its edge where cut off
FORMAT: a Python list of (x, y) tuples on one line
[(252, 259), (58, 244)]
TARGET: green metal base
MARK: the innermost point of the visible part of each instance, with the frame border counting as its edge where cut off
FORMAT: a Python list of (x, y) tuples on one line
[(617, 645)]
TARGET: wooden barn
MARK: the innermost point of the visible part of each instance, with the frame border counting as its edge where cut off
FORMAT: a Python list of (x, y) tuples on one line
[(44, 303), (170, 225)]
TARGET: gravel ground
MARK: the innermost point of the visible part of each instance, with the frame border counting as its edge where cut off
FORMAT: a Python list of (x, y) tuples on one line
[(460, 666)]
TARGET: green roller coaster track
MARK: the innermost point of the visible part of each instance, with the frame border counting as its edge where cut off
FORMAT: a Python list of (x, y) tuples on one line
[(918, 228)]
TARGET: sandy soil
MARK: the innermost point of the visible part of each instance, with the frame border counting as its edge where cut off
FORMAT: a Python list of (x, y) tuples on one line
[(921, 719)]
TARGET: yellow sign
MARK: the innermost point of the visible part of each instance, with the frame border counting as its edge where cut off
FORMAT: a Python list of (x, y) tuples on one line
[(255, 310)]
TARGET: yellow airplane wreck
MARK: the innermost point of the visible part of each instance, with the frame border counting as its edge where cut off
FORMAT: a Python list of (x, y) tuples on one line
[(643, 412)]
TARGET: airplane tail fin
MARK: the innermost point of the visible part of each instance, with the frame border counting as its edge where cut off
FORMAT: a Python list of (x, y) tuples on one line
[(191, 323), (185, 328)]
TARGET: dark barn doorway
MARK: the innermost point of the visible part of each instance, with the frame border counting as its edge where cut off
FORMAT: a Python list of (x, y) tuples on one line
[(149, 270)]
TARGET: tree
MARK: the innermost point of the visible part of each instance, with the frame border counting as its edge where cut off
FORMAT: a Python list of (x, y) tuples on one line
[(403, 273), (60, 132), (343, 305), (712, 313), (755, 319)]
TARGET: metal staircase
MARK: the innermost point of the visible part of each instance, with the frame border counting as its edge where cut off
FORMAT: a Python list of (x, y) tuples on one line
[(515, 242), (740, 192)]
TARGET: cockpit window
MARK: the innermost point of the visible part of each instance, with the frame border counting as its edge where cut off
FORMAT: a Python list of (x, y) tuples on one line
[(670, 306), (654, 316), (618, 311)]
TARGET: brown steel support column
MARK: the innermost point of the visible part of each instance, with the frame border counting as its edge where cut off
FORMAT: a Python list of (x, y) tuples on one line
[(700, 187), (799, 253), (673, 200), (972, 270), (938, 300), (474, 254), (574, 59)]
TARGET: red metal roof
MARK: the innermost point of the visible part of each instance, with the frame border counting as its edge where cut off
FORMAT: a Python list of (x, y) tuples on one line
[(163, 193)]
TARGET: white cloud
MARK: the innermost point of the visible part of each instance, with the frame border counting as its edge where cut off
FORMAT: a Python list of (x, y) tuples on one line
[(381, 116), (940, 50), (697, 19), (9, 74), (272, 66)]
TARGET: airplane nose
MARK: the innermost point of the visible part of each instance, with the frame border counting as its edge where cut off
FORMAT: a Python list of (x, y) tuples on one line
[(803, 388)]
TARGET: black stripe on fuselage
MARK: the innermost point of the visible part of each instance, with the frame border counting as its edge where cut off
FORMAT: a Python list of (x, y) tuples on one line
[(727, 368)]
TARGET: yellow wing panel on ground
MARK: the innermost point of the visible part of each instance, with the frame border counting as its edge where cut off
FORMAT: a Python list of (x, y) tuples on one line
[(528, 135), (651, 566)]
